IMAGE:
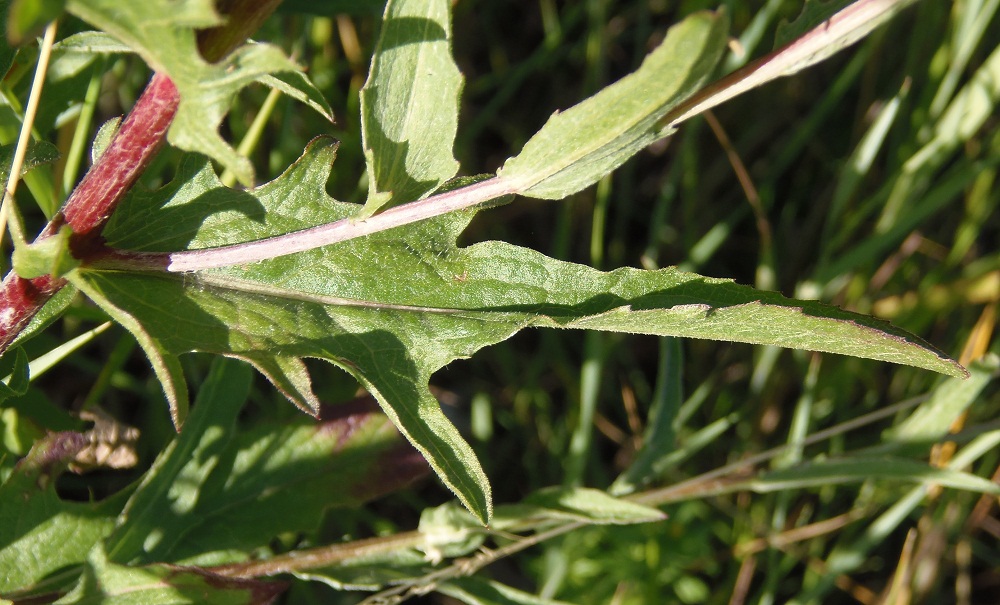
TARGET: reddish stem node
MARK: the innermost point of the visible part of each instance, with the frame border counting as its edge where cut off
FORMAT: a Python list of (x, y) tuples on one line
[(140, 137)]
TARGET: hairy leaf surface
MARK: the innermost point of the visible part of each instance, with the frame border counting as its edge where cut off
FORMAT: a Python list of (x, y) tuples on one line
[(409, 105), (218, 493), (162, 32), (577, 147), (393, 307)]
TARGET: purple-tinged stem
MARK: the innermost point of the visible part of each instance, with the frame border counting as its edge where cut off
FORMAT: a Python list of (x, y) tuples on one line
[(308, 239), (94, 199), (140, 137)]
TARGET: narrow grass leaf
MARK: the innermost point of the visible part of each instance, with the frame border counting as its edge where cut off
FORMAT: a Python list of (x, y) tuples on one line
[(218, 491), (968, 110), (848, 556), (857, 469), (933, 419), (658, 440), (577, 147), (479, 591), (154, 517), (285, 478), (409, 105)]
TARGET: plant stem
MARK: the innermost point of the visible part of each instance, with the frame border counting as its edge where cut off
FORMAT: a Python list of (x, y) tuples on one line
[(844, 28), (97, 196), (141, 135), (323, 556), (307, 239), (92, 202), (24, 137)]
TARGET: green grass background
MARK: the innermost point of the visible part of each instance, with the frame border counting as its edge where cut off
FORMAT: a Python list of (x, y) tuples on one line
[(861, 185)]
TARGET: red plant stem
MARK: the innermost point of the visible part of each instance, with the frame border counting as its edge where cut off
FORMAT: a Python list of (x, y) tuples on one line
[(131, 150), (87, 210), (141, 135), (20, 300)]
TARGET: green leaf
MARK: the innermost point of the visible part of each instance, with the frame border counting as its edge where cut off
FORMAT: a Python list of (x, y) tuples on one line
[(478, 591), (449, 531), (659, 443), (577, 147), (162, 32), (829, 37), (166, 367), (17, 384), (409, 105), (7, 53), (296, 85), (49, 256), (154, 518), (863, 468), (218, 493), (814, 12), (366, 8), (27, 18), (108, 583), (105, 134), (42, 538), (50, 312), (293, 83), (394, 307), (39, 153), (933, 419), (89, 43), (589, 505)]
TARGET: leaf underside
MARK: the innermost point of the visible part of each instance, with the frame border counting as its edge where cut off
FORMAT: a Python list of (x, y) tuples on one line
[(579, 146), (394, 307), (409, 105), (162, 32)]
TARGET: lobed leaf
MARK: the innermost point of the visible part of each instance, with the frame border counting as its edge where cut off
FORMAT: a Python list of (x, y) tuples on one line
[(162, 32), (17, 382), (394, 307), (409, 105)]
